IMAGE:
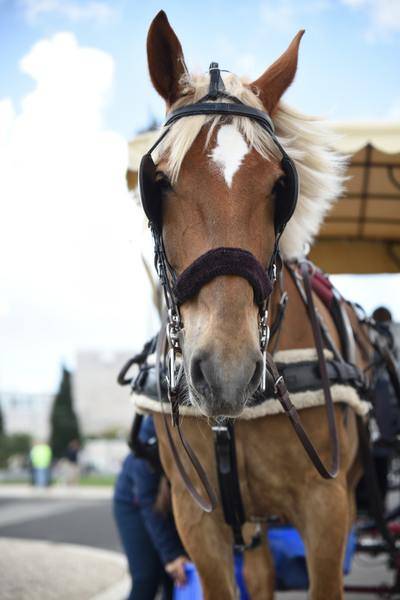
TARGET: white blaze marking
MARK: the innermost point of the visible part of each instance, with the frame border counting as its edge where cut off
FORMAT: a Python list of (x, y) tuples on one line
[(229, 151)]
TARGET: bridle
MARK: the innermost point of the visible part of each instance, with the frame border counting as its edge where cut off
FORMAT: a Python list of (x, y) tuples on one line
[(214, 263), (218, 261)]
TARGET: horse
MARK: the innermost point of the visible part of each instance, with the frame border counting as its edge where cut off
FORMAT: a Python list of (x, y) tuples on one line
[(217, 180)]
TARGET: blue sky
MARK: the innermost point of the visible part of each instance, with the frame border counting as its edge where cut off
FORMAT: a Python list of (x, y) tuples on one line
[(348, 62), (74, 88)]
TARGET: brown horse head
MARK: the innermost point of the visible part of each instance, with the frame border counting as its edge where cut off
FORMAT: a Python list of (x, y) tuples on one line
[(218, 176)]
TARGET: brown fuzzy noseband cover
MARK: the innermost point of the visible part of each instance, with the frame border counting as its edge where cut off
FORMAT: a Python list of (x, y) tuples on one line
[(223, 261)]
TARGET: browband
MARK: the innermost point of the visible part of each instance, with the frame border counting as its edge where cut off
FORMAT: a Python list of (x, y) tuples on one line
[(221, 108), (223, 261)]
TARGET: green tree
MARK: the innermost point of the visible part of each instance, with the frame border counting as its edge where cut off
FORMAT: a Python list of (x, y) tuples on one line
[(2, 428), (14, 444), (63, 420)]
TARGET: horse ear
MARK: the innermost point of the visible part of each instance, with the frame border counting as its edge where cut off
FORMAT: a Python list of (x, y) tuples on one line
[(277, 78), (165, 58)]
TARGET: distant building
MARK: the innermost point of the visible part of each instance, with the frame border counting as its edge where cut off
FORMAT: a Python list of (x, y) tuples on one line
[(26, 413), (100, 403)]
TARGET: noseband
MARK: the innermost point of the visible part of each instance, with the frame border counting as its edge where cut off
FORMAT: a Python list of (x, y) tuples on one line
[(223, 261)]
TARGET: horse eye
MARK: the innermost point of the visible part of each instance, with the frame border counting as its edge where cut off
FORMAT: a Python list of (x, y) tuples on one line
[(278, 186), (163, 180)]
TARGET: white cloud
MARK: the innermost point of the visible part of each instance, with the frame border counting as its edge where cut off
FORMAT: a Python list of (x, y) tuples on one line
[(67, 9), (69, 231), (383, 16)]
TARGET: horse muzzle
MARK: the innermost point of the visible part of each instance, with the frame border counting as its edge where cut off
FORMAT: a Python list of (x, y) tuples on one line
[(221, 388)]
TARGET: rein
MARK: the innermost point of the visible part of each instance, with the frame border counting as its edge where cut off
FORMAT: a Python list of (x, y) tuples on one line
[(209, 502), (284, 398), (225, 433)]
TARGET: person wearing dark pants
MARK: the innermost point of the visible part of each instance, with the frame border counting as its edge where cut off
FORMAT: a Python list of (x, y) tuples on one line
[(145, 566), (151, 543)]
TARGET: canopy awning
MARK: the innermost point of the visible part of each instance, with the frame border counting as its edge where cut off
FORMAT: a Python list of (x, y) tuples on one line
[(361, 234), (136, 148)]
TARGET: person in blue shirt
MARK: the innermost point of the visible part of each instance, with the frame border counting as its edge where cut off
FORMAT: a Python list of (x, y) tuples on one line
[(151, 543)]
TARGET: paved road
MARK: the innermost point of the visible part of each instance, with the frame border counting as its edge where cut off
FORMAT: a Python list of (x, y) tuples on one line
[(86, 522), (89, 522)]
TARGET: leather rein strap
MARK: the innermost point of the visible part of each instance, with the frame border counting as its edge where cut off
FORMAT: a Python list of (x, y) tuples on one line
[(284, 398), (290, 410), (330, 410), (209, 502)]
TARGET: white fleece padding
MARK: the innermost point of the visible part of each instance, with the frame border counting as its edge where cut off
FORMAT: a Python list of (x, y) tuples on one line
[(340, 394), (290, 357)]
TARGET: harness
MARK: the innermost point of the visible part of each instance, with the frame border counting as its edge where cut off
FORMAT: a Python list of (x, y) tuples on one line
[(303, 376), (215, 263)]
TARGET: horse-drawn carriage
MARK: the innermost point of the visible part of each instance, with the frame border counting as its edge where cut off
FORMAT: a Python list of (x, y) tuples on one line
[(262, 367)]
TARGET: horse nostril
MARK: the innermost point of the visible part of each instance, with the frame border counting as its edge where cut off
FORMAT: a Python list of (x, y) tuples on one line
[(256, 377), (198, 376)]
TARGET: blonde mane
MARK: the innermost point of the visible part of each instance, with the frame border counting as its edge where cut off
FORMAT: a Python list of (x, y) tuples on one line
[(307, 140)]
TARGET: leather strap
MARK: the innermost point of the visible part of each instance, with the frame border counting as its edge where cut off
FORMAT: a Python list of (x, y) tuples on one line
[(324, 330), (228, 479), (283, 394), (291, 412), (217, 86), (221, 108), (209, 502), (276, 326), (319, 345)]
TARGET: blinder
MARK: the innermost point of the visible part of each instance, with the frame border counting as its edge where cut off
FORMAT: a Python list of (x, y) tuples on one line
[(150, 192), (150, 189)]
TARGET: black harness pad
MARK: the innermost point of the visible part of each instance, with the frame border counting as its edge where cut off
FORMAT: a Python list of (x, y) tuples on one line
[(286, 193), (150, 192)]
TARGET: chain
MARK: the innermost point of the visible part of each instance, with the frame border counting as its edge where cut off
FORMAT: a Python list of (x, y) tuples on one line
[(263, 326), (173, 332), (264, 339)]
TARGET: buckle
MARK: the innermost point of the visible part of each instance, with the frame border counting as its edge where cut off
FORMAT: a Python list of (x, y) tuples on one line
[(219, 428), (278, 383), (274, 273)]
